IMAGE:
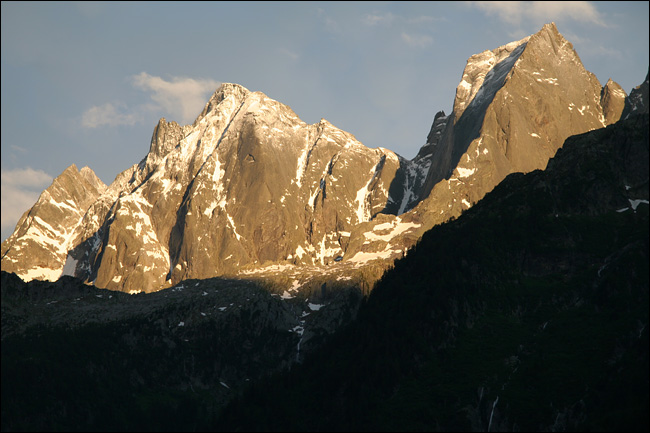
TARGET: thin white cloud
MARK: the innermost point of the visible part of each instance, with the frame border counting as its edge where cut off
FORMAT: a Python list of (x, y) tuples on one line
[(18, 148), (291, 54), (330, 24), (181, 97), (403, 26), (516, 12), (374, 19), (20, 188), (508, 11), (107, 115), (575, 10), (424, 19), (25, 177), (388, 18), (418, 41)]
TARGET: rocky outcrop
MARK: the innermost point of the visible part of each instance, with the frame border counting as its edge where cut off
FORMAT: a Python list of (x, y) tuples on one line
[(45, 233), (612, 99)]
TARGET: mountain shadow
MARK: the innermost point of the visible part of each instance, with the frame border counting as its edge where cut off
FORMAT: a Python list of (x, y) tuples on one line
[(528, 312)]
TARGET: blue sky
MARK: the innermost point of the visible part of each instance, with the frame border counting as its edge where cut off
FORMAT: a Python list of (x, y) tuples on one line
[(85, 83)]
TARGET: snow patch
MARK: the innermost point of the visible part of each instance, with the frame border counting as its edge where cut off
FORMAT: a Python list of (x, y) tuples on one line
[(270, 268), (548, 80), (232, 224), (363, 208), (465, 172), (635, 203), (64, 205), (40, 273), (300, 252), (286, 295), (396, 228), (362, 257)]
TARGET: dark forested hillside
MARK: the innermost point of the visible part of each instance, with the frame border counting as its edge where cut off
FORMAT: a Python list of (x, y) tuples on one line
[(528, 312), (79, 358)]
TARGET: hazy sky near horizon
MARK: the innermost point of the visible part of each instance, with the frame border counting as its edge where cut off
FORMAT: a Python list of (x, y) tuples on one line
[(86, 82)]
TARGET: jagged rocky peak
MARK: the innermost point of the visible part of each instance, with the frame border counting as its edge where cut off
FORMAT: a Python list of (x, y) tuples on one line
[(476, 70), (164, 134), (233, 91), (247, 183), (231, 97), (520, 101), (612, 99), (90, 176), (515, 106), (438, 126), (409, 185), (638, 101), (39, 245)]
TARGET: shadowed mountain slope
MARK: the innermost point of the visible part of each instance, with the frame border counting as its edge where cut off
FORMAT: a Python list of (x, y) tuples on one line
[(528, 312)]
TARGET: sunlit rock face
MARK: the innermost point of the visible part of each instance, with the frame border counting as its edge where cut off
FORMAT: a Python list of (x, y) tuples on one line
[(39, 245), (514, 108), (249, 184), (533, 94)]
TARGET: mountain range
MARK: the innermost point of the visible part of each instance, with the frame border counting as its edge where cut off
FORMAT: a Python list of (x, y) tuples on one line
[(249, 184), (265, 245)]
